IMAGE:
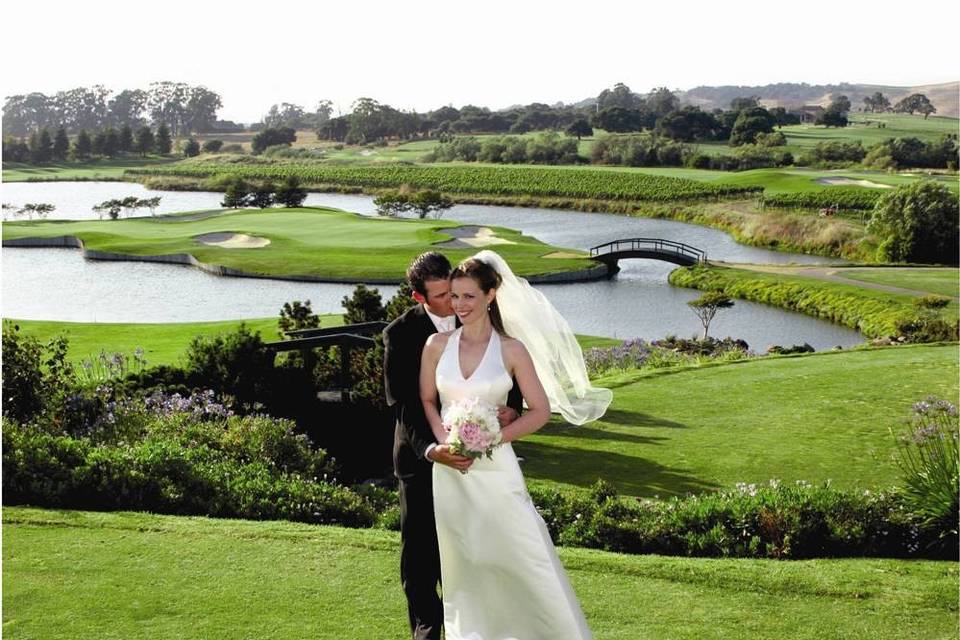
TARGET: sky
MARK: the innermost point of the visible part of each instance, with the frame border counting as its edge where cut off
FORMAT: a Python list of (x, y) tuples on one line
[(423, 54)]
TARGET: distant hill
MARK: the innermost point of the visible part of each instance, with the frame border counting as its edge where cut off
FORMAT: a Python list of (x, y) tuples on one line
[(945, 97)]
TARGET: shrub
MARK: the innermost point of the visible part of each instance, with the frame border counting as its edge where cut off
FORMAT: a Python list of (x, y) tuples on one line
[(234, 364), (768, 521), (36, 377), (249, 467), (928, 457), (919, 222)]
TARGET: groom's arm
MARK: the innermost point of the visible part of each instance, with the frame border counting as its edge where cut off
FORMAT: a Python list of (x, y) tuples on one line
[(402, 388)]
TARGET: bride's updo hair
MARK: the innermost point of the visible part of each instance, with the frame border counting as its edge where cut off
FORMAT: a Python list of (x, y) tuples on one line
[(486, 278)]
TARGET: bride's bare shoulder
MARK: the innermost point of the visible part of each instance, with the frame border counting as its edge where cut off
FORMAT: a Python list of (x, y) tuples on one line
[(437, 341), (513, 348)]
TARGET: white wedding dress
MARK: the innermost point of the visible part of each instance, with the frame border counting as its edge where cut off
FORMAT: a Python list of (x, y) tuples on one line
[(501, 577)]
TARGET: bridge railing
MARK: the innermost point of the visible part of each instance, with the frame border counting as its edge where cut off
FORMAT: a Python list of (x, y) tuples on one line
[(649, 244)]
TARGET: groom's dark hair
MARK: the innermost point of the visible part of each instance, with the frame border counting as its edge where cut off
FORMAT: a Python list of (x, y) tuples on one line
[(427, 266)]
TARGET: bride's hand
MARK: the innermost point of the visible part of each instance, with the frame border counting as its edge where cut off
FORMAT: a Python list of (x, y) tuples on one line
[(442, 454)]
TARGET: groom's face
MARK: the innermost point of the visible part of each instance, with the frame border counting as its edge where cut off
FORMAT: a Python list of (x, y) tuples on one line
[(437, 299)]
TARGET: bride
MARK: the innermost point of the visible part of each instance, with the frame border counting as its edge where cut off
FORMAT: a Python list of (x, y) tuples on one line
[(501, 577)]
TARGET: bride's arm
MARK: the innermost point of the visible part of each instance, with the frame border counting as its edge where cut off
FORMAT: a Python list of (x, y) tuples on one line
[(428, 384), (520, 364)]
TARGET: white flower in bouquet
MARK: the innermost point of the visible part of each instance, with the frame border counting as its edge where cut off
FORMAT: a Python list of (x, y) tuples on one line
[(472, 427)]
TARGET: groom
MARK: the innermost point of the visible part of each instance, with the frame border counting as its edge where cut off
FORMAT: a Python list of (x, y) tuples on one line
[(415, 450)]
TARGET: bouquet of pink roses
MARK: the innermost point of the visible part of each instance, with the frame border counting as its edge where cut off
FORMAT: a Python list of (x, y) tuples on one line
[(472, 427)]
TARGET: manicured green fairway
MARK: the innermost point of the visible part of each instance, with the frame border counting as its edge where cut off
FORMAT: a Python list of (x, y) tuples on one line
[(317, 242), (106, 169), (944, 282), (79, 575), (166, 343), (161, 343), (814, 418)]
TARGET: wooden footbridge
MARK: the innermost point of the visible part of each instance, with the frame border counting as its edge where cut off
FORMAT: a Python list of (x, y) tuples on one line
[(650, 248)]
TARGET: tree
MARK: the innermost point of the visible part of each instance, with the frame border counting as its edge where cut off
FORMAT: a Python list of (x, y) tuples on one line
[(271, 137), (82, 146), (688, 124), (832, 117), (145, 142), (41, 147), (662, 101), (127, 107), (707, 305), (126, 139), (365, 305), (111, 142), (841, 104), (392, 203), (163, 143), (236, 195), (295, 316), (212, 146), (748, 124), (619, 96), (400, 302), (742, 103), (61, 144), (42, 209), (289, 194), (428, 201), (579, 128), (919, 222), (915, 102), (262, 196), (619, 120), (191, 148), (784, 117), (877, 103)]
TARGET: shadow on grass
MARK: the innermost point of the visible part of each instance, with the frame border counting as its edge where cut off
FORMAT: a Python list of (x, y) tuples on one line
[(631, 475), (625, 426)]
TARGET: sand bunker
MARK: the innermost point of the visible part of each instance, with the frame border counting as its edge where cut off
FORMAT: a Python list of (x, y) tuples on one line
[(560, 255), (471, 237), (232, 240), (850, 182)]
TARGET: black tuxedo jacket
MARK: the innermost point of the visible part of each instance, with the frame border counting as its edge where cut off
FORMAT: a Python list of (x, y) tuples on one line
[(403, 342)]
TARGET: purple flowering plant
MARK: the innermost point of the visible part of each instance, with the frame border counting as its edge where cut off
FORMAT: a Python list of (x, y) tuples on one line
[(929, 459)]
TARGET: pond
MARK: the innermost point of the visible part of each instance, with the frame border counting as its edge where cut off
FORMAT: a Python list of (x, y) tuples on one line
[(58, 284)]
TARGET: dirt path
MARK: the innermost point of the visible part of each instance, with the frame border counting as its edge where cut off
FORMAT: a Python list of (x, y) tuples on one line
[(827, 273)]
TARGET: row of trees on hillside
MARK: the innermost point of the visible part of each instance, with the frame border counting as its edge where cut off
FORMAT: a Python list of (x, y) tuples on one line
[(616, 110), (914, 103), (42, 147), (182, 107)]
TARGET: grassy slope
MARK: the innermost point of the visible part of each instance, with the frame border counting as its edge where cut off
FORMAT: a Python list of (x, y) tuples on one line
[(106, 169), (73, 574), (939, 281), (306, 241), (166, 343), (818, 417), (161, 343), (861, 300)]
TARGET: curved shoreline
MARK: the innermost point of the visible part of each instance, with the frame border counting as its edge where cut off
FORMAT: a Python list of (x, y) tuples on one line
[(599, 272)]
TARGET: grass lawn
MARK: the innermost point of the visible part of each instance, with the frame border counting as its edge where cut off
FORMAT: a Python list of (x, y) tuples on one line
[(106, 169), (816, 417), (940, 281), (869, 310), (167, 343), (74, 574), (161, 343), (316, 242)]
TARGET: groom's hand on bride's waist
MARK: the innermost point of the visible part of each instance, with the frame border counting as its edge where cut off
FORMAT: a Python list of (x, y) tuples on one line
[(506, 415), (442, 454)]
